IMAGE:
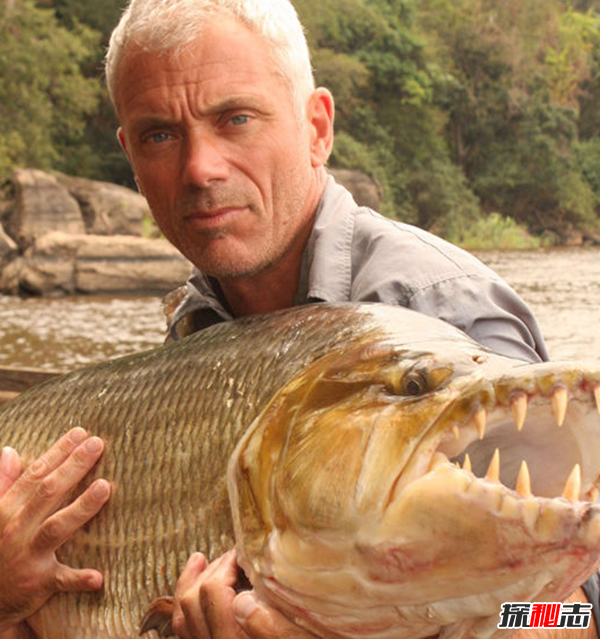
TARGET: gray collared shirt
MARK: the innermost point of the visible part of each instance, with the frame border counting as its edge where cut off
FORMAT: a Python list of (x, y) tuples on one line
[(354, 254)]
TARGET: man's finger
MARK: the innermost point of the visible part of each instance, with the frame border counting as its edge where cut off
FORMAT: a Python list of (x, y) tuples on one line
[(217, 595), (193, 568), (187, 620), (52, 489), (10, 468), (76, 580), (262, 622), (55, 531), (21, 491)]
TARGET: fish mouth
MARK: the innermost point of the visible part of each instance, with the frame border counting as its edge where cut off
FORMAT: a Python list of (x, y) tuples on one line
[(459, 487), (536, 432)]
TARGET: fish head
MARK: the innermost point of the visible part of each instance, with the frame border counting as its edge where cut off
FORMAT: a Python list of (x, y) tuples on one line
[(382, 492)]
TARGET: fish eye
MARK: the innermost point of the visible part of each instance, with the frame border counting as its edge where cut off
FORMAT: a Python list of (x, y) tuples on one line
[(414, 383)]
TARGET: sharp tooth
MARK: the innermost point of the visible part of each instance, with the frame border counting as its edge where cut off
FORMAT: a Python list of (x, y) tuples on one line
[(467, 463), (560, 400), (456, 432), (518, 407), (597, 396), (523, 486), (573, 485), (493, 471), (480, 419)]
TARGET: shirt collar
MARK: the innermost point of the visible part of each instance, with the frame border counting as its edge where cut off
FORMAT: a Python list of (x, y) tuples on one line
[(326, 263)]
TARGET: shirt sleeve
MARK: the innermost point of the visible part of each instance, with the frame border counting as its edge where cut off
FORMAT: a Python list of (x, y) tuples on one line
[(402, 265), (489, 311)]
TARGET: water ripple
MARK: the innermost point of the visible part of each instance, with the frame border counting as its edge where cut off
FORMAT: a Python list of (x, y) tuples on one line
[(561, 286)]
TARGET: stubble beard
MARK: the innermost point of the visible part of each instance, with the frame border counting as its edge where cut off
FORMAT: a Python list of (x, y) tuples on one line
[(224, 267)]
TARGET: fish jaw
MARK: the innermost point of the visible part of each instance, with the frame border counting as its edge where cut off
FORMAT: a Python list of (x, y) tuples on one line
[(388, 537), (463, 547)]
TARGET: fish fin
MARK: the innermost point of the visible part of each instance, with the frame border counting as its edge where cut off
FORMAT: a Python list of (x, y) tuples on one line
[(158, 617)]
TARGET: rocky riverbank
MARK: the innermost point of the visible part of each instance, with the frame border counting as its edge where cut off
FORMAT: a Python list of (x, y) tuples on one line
[(64, 235)]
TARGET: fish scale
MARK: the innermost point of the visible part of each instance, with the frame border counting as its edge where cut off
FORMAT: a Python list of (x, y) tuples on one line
[(170, 418)]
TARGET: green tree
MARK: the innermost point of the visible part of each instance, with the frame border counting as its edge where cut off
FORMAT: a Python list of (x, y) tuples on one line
[(514, 73), (44, 97), (101, 156), (369, 54)]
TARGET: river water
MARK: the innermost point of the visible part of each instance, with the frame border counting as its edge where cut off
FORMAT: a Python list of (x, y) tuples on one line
[(562, 286)]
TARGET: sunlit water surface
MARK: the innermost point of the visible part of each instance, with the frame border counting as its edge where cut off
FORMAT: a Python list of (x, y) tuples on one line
[(70, 332), (562, 287)]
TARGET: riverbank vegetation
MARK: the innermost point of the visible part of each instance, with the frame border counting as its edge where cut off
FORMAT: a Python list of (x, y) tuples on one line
[(478, 118)]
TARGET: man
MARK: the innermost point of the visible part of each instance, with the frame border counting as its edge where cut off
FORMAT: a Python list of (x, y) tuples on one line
[(228, 139)]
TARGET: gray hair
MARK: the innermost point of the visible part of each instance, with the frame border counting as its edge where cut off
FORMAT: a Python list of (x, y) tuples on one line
[(169, 25)]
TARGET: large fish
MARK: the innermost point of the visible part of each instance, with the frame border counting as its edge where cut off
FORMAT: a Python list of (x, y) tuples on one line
[(356, 509)]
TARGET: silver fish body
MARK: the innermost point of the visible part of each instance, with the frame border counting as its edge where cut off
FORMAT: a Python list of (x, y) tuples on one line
[(349, 512)]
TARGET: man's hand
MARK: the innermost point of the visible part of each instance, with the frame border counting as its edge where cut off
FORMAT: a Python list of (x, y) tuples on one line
[(263, 622), (33, 524), (206, 606)]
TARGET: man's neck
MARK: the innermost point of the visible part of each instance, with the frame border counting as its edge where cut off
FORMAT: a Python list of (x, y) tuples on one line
[(276, 286), (271, 289), (252, 297)]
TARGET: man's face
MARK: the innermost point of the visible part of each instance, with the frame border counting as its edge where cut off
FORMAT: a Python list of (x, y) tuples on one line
[(218, 151)]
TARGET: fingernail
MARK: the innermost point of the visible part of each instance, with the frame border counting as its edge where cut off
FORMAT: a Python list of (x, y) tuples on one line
[(243, 606), (8, 461), (5, 457), (100, 489), (197, 558), (93, 445), (77, 435), (95, 580)]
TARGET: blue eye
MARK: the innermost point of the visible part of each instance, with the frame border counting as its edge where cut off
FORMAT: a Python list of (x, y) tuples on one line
[(157, 138), (237, 120)]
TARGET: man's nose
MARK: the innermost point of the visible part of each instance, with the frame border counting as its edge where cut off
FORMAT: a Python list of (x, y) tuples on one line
[(204, 161)]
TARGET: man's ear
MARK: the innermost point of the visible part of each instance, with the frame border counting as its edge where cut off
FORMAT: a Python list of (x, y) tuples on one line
[(320, 113), (123, 143)]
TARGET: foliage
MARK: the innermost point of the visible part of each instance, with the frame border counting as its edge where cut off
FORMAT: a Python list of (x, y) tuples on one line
[(515, 74), (99, 154), (370, 55), (467, 112), (44, 97), (493, 231)]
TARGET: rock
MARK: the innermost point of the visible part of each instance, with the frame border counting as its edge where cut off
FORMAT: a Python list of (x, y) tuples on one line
[(63, 263), (591, 237), (41, 205), (8, 248), (46, 276), (9, 278), (107, 209), (128, 264), (573, 237), (365, 190)]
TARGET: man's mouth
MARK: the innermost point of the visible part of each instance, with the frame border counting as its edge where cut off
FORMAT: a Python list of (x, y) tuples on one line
[(207, 219)]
